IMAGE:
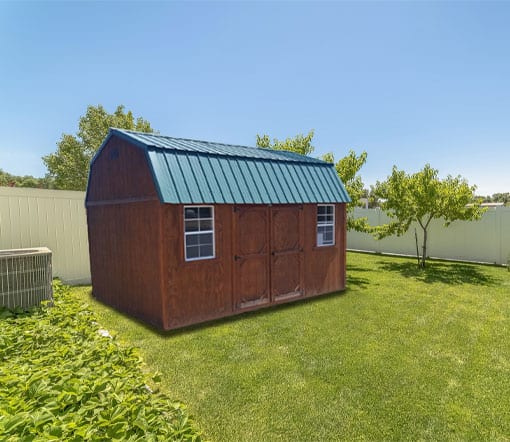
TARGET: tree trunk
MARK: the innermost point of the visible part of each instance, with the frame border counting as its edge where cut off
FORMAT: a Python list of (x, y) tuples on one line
[(424, 255), (417, 249)]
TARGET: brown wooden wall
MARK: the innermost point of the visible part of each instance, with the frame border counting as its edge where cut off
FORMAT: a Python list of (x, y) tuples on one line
[(196, 290), (264, 255), (124, 227), (125, 258), (119, 173), (325, 266)]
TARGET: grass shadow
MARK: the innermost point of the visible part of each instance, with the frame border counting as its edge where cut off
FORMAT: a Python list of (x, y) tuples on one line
[(357, 281), (451, 273), (263, 311), (212, 323)]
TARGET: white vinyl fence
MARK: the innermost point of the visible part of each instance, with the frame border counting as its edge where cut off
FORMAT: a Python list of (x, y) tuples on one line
[(48, 218), (486, 240)]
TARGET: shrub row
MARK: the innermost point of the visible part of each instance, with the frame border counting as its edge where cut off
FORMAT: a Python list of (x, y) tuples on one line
[(63, 378)]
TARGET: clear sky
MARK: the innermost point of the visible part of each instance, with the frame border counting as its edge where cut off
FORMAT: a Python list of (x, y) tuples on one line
[(409, 82)]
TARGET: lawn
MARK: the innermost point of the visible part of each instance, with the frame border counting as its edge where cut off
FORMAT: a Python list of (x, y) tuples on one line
[(401, 354)]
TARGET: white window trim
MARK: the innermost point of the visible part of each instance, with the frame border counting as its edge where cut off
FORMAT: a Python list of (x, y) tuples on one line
[(324, 223), (200, 258)]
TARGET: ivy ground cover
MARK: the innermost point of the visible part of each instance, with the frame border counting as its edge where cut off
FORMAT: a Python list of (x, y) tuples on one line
[(64, 378), (402, 354)]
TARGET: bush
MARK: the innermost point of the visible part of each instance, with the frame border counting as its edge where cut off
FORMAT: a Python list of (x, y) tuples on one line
[(63, 378)]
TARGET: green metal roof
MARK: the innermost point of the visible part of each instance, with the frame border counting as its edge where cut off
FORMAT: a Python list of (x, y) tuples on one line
[(197, 172)]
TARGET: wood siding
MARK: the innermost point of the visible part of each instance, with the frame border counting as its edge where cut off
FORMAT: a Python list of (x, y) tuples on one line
[(120, 174), (124, 227), (264, 255), (325, 266), (125, 258), (196, 290)]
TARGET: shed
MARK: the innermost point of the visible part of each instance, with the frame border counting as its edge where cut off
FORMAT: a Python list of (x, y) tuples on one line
[(184, 231)]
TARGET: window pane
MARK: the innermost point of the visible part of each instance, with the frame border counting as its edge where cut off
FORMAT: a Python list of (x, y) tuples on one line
[(206, 251), (192, 226), (206, 238), (191, 240), (321, 218), (325, 235), (320, 235), (205, 212), (329, 218), (199, 245), (329, 209), (206, 224), (321, 210), (190, 212), (192, 252)]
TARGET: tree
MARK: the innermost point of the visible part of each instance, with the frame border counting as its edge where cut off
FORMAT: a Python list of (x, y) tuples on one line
[(9, 180), (422, 197), (347, 169), (371, 197), (301, 144), (69, 164), (501, 198)]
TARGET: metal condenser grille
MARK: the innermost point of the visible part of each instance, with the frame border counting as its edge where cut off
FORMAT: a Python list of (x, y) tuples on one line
[(25, 277)]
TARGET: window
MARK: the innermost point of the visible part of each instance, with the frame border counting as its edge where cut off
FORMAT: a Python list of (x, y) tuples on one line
[(198, 232), (325, 225)]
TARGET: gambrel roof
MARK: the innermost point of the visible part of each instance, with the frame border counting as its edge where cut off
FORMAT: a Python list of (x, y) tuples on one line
[(201, 172)]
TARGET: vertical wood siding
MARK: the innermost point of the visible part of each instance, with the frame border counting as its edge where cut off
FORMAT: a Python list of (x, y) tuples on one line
[(125, 258), (264, 255), (197, 290)]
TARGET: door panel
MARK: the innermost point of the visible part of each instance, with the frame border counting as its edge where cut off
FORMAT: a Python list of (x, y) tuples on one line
[(287, 252), (286, 277), (286, 229), (251, 259)]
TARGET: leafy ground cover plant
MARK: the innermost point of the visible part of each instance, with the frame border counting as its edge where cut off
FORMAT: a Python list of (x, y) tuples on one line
[(64, 378)]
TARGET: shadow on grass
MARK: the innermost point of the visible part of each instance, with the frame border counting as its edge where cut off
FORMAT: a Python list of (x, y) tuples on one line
[(238, 316), (268, 310), (357, 281), (451, 273)]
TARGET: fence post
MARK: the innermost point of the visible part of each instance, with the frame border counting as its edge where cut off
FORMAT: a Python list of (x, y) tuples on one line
[(499, 220)]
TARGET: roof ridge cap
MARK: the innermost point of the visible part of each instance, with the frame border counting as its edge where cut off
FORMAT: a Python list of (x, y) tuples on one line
[(283, 159), (265, 149)]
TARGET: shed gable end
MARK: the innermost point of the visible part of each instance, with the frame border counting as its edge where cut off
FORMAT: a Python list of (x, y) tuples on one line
[(120, 172)]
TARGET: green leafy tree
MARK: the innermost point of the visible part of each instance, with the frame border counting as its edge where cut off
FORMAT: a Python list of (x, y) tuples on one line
[(371, 197), (422, 197), (301, 144), (347, 169), (69, 164), (501, 198), (9, 180)]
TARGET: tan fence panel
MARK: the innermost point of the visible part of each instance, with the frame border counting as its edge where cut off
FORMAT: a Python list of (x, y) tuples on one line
[(48, 218), (486, 240)]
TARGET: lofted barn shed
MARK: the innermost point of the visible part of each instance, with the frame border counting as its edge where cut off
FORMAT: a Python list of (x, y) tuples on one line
[(184, 231)]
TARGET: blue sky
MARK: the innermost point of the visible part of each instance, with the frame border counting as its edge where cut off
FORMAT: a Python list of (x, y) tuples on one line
[(410, 83)]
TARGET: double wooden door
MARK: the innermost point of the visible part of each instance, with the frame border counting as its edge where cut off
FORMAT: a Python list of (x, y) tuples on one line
[(268, 254)]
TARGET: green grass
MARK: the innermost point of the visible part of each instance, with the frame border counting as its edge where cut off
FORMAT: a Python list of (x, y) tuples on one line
[(401, 354)]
